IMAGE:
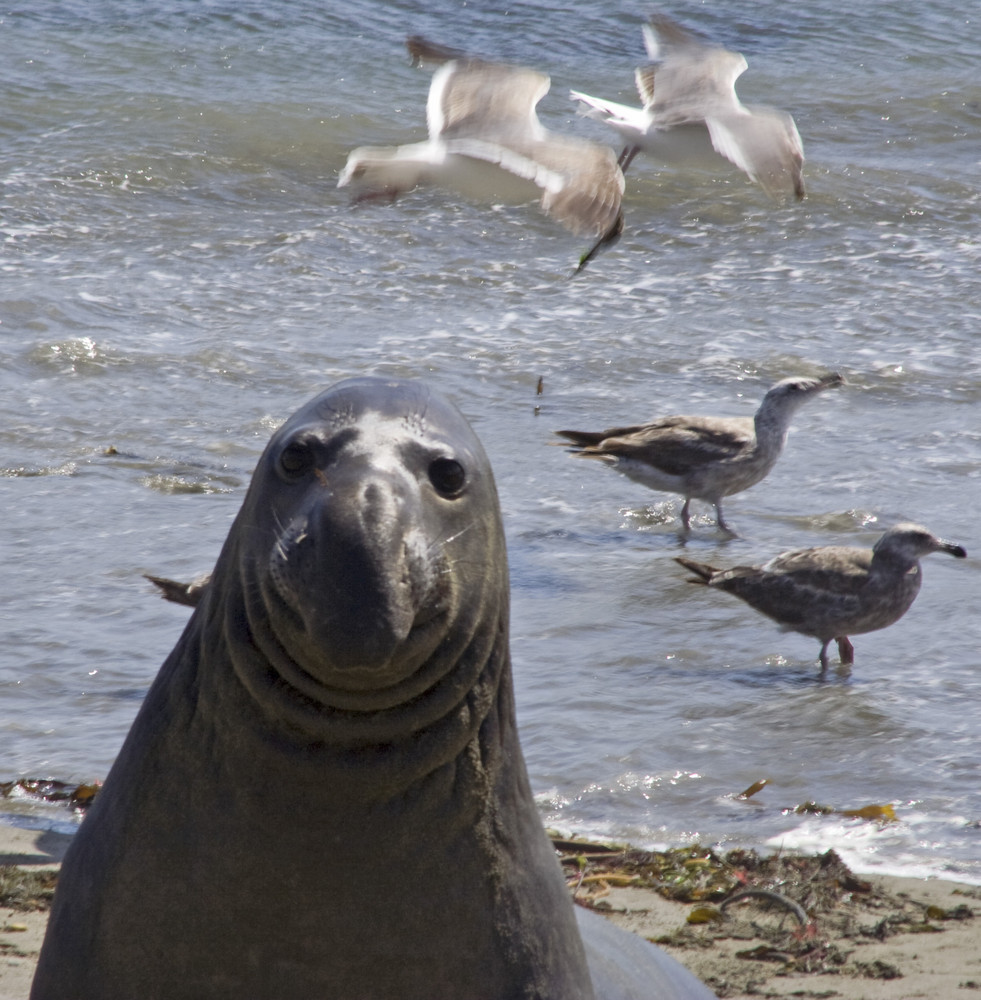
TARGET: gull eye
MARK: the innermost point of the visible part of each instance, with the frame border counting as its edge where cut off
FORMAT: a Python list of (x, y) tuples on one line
[(447, 475), (296, 459)]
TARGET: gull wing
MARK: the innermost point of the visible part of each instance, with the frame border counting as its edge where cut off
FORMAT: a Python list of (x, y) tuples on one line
[(580, 181), (765, 144), (691, 78), (678, 445), (485, 111), (585, 439), (795, 588), (663, 35), (423, 50), (589, 199), (509, 159), (476, 98)]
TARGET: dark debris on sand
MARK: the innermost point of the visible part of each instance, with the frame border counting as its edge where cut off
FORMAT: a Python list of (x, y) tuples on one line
[(24, 889), (797, 914)]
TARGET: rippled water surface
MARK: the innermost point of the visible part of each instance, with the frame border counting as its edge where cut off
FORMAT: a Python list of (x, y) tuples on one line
[(179, 273)]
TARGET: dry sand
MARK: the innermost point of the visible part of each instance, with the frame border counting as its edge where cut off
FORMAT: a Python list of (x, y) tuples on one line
[(23, 911), (864, 938)]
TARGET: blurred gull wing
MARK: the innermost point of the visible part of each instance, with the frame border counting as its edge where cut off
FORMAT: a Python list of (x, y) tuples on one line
[(423, 50), (485, 140), (696, 81), (487, 111), (766, 145), (588, 202), (691, 78), (690, 109), (476, 98)]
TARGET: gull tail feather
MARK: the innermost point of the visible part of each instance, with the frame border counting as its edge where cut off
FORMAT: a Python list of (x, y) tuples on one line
[(581, 439), (703, 572), (610, 111), (188, 594)]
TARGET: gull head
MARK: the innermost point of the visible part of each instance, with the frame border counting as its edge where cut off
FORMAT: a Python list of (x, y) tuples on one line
[(908, 542), (787, 395)]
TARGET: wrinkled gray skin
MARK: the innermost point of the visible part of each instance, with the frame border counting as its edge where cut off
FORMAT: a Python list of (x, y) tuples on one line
[(323, 795)]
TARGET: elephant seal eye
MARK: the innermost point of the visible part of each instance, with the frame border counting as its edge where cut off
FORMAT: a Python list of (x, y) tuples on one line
[(296, 459), (447, 475)]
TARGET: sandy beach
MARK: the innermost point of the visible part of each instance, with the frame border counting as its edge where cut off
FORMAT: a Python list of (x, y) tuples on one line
[(855, 937)]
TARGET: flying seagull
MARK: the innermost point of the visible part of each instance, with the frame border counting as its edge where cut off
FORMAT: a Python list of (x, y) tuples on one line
[(703, 458), (486, 142), (833, 591), (691, 108)]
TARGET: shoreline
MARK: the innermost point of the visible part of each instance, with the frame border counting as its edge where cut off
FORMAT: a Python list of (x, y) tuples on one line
[(867, 937)]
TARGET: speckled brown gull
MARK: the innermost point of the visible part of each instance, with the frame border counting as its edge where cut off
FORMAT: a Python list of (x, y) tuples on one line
[(834, 591), (486, 143), (703, 458), (691, 108)]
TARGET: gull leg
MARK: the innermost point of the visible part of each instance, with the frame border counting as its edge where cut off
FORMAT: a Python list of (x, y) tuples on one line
[(685, 519), (611, 236), (824, 657), (627, 157), (721, 521), (846, 651)]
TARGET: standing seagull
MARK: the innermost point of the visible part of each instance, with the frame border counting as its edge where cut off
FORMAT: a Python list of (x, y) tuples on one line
[(703, 458), (690, 101), (486, 142), (833, 591)]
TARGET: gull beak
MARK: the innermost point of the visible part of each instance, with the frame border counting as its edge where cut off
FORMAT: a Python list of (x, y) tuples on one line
[(957, 551)]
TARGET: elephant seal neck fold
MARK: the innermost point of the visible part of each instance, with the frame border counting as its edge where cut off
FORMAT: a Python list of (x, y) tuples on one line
[(382, 741)]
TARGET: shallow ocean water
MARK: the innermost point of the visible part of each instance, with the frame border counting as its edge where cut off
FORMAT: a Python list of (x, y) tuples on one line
[(179, 273)]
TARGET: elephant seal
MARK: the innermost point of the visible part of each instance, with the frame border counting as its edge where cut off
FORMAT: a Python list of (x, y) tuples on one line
[(323, 794)]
